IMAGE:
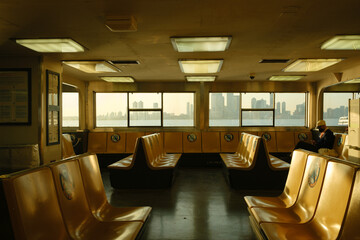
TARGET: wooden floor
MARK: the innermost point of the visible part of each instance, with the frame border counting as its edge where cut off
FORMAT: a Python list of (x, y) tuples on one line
[(200, 205)]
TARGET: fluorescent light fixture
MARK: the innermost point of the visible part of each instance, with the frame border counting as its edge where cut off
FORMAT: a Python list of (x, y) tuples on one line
[(200, 78), (200, 44), (357, 80), (343, 42), (93, 66), (310, 65), (200, 66), (286, 77), (61, 45), (118, 79)]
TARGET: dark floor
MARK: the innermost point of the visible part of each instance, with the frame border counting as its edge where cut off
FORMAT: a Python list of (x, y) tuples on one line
[(200, 205)]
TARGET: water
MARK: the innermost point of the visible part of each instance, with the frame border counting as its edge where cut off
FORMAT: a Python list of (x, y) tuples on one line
[(190, 123)]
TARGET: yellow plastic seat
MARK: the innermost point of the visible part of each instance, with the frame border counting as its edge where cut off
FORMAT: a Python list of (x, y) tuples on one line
[(304, 207), (67, 148), (292, 186), (78, 218), (350, 228), (328, 218), (96, 196), (33, 204)]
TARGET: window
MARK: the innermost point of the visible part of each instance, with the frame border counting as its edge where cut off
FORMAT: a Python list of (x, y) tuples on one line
[(111, 109), (335, 110), (70, 109), (290, 109), (144, 109), (178, 109), (257, 109), (224, 109)]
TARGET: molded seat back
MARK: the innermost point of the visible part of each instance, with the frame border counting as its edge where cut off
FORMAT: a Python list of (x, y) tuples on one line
[(93, 184), (310, 187), (67, 149), (71, 195), (334, 199), (350, 229), (33, 204), (295, 176)]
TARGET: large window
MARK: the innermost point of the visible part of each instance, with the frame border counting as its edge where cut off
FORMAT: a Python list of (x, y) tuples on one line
[(178, 109), (290, 109), (144, 109), (335, 111), (111, 110), (257, 109), (224, 109), (70, 109)]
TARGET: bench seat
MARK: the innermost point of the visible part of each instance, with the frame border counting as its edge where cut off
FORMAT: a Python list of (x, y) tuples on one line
[(292, 185), (251, 167), (330, 212), (150, 166)]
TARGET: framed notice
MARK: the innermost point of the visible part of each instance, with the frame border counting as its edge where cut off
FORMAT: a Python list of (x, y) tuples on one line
[(15, 96), (52, 108)]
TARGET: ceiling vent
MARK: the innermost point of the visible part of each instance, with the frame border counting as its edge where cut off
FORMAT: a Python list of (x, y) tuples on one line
[(274, 60), (121, 23)]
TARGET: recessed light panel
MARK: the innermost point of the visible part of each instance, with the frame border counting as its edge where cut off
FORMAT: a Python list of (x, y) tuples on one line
[(310, 65), (344, 42), (200, 78), (357, 80), (62, 45), (92, 66), (200, 66), (286, 78), (200, 44), (118, 79)]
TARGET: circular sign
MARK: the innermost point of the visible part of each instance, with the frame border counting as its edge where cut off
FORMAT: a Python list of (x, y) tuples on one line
[(228, 137), (67, 185), (314, 174), (340, 140), (191, 137), (266, 136), (302, 136), (115, 138)]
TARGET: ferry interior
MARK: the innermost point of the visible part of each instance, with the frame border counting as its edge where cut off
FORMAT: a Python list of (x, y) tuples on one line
[(179, 119)]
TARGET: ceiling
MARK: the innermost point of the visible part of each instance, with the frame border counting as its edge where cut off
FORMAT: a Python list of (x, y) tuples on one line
[(260, 29)]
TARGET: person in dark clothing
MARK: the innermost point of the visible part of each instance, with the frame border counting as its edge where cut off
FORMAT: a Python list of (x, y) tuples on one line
[(326, 139)]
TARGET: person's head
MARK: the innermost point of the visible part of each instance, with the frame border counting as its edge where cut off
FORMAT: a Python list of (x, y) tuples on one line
[(321, 125)]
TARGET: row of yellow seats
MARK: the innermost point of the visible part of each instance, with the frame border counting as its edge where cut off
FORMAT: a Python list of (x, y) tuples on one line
[(191, 142), (66, 200), (319, 201), (149, 166), (251, 166)]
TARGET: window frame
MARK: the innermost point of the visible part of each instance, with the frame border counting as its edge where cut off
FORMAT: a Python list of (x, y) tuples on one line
[(242, 110), (323, 104), (160, 109), (62, 111)]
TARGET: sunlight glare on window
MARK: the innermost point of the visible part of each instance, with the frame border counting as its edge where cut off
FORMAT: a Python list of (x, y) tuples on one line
[(111, 110), (70, 109)]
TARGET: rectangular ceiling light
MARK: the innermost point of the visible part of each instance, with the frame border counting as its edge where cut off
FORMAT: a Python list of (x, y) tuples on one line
[(200, 66), (93, 66), (200, 78), (357, 80), (56, 45), (344, 42), (118, 79), (310, 65), (286, 78), (200, 44)]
